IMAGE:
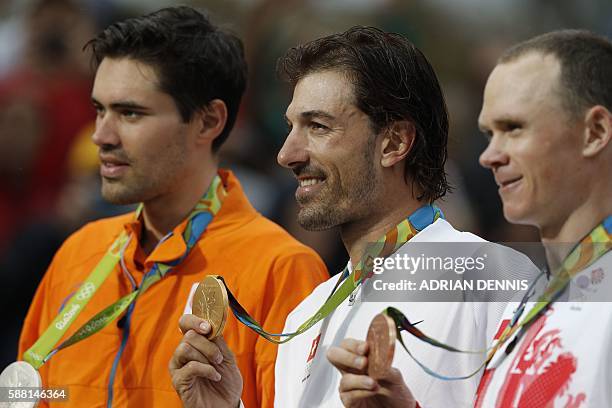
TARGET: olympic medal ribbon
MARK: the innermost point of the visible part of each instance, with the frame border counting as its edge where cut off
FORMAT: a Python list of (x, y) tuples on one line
[(36, 354), (347, 283), (592, 247), (403, 324), (197, 222)]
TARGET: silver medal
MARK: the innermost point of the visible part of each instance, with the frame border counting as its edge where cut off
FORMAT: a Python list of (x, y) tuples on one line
[(19, 374)]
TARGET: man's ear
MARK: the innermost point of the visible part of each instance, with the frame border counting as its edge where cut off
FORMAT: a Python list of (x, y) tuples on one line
[(211, 120), (598, 130), (397, 142)]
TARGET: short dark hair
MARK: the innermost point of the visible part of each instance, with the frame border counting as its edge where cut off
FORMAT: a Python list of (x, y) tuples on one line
[(586, 65), (195, 60), (393, 81)]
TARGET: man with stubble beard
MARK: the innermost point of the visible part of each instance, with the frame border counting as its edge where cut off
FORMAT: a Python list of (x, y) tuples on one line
[(368, 130)]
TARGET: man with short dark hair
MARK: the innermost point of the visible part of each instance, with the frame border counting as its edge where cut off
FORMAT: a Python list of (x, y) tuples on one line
[(167, 90), (367, 139), (547, 114)]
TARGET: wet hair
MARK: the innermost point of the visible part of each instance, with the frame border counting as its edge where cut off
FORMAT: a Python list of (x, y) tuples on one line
[(195, 60), (586, 65), (393, 81)]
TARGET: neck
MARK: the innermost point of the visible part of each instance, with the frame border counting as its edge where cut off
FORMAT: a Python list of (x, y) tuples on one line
[(358, 234), (164, 213), (560, 237)]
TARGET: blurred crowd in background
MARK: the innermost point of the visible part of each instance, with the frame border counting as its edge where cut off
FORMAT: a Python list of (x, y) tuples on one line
[(49, 182)]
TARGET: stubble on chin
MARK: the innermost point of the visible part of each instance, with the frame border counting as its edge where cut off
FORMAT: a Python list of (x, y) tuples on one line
[(316, 219), (327, 213), (117, 193)]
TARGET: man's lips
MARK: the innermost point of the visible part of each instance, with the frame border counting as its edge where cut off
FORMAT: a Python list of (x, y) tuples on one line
[(307, 186), (111, 167), (306, 181), (507, 183)]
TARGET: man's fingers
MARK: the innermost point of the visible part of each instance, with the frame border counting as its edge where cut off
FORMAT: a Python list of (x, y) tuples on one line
[(393, 375), (192, 371), (353, 398), (355, 346), (186, 353), (192, 322), (345, 360), (352, 382), (209, 349), (226, 352), (195, 347)]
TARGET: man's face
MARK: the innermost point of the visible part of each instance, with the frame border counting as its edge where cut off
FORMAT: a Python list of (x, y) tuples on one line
[(331, 148), (143, 142), (534, 142)]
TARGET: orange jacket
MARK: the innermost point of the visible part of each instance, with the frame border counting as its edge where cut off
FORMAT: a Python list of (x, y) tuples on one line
[(268, 271)]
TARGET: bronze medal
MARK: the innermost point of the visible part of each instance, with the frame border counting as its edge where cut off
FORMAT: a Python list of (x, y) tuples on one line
[(381, 343), (210, 302)]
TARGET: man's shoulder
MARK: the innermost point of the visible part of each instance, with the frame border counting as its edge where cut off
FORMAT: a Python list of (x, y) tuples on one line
[(84, 247), (95, 236), (605, 262), (501, 260), (443, 231), (262, 234), (102, 228)]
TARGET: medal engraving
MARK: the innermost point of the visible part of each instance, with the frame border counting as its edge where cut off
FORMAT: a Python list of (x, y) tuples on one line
[(210, 302)]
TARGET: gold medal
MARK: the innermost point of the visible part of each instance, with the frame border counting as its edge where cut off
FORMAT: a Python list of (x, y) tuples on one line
[(210, 303), (381, 344)]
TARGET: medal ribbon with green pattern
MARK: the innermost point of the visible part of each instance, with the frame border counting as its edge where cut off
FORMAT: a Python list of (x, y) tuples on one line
[(198, 220), (385, 246), (592, 247)]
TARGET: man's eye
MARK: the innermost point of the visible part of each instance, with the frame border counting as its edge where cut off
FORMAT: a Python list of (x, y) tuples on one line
[(512, 127), (130, 114), (318, 126)]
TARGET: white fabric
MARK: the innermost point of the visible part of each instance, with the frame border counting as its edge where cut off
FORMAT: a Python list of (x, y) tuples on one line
[(303, 383), (565, 358)]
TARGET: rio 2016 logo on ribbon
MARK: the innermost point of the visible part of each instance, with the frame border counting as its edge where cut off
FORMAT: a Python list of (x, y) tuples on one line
[(86, 291)]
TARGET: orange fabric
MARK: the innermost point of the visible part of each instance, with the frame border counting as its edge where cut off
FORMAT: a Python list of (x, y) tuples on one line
[(267, 270)]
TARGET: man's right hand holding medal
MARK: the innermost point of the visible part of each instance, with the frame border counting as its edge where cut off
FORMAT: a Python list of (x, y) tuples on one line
[(204, 372), (368, 380), (357, 389)]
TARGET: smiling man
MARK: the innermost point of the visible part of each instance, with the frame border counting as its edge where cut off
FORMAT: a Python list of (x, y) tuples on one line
[(167, 90), (332, 188), (547, 115), (367, 139)]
